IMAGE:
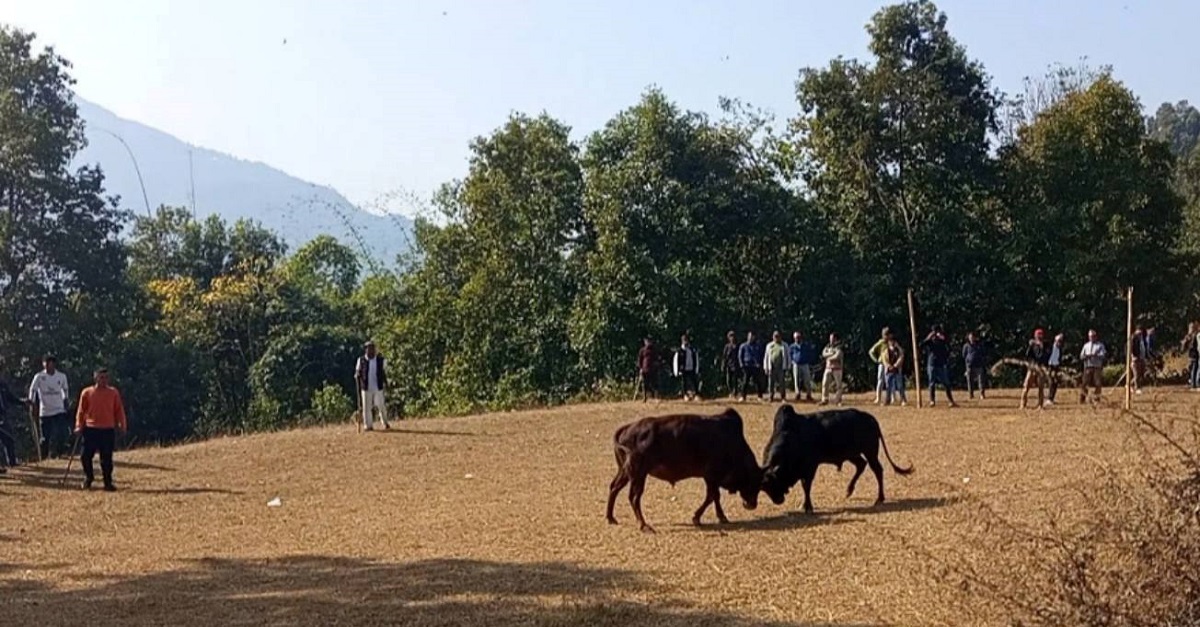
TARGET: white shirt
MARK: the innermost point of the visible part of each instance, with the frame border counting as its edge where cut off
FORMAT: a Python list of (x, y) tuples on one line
[(372, 379), (1093, 355), (51, 392)]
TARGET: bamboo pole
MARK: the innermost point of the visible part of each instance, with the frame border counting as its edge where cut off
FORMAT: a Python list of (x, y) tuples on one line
[(916, 357), (1129, 350), (35, 430)]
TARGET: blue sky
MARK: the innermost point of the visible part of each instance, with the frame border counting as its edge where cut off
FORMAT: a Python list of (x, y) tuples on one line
[(372, 96)]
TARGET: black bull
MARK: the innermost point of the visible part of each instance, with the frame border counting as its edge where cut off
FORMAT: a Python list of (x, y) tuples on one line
[(800, 443)]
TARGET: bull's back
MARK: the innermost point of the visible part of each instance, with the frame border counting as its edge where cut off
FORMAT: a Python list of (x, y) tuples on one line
[(673, 448)]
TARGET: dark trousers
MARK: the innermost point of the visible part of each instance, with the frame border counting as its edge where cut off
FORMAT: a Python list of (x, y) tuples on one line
[(56, 433), (732, 376), (1194, 373), (752, 373), (690, 382), (939, 375), (1053, 382), (976, 380), (98, 441), (9, 447)]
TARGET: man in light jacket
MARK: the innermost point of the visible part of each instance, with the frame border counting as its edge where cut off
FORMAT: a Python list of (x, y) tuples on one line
[(1092, 356), (834, 358), (687, 368), (371, 377), (775, 361)]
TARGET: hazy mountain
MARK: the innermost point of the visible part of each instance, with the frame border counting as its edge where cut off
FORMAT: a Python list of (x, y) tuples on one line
[(230, 187)]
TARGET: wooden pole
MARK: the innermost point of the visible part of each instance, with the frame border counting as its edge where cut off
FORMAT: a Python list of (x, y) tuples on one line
[(34, 430), (916, 357), (1129, 350)]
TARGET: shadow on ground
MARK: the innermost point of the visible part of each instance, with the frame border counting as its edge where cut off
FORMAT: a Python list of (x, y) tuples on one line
[(319, 590)]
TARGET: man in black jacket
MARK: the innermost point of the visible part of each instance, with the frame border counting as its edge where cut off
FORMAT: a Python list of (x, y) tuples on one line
[(937, 351), (728, 362), (372, 381), (1038, 356), (8, 445)]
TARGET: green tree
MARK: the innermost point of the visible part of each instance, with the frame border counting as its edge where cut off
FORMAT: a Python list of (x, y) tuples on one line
[(61, 264)]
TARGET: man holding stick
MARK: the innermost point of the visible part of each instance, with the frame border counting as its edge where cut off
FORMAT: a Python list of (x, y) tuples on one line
[(100, 416), (372, 381)]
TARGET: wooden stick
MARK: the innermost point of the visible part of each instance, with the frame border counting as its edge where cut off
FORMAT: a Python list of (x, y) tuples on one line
[(1129, 350), (358, 416), (34, 430), (916, 357)]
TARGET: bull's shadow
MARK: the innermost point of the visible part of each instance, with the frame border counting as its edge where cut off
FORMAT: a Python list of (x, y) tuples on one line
[(327, 590), (888, 506), (786, 521)]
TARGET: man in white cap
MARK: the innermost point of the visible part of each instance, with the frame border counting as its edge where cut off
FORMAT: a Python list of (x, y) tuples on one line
[(372, 381)]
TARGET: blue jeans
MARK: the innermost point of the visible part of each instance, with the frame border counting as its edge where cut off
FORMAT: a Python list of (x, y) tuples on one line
[(880, 379), (1194, 373), (895, 385), (939, 375)]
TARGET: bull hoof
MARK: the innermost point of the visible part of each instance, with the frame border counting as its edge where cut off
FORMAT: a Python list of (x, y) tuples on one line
[(723, 520), (696, 521), (878, 501), (612, 521), (808, 510), (648, 529)]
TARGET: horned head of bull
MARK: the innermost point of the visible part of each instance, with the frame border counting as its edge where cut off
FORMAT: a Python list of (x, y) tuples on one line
[(775, 486)]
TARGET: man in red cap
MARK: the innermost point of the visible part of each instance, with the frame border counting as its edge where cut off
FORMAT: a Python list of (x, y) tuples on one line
[(1037, 355)]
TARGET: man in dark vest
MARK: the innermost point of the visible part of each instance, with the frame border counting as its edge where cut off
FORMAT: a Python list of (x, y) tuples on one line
[(372, 381)]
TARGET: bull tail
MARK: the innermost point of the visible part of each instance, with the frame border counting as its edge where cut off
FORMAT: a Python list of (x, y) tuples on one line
[(898, 469)]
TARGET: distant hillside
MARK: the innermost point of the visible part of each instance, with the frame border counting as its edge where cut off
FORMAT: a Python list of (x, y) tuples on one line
[(230, 187)]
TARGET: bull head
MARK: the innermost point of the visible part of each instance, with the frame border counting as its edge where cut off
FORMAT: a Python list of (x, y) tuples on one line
[(774, 485)]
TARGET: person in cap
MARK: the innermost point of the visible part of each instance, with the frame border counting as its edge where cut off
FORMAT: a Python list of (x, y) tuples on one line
[(1037, 354), (49, 391), (371, 377), (100, 415)]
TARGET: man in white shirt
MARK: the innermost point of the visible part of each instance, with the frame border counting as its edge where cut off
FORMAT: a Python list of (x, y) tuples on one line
[(687, 368), (1093, 356), (49, 391), (372, 381)]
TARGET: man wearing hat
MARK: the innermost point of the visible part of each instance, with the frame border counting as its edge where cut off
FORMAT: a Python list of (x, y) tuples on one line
[(1038, 355), (49, 391), (372, 381)]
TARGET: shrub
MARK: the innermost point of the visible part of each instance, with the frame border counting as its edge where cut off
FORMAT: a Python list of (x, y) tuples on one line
[(329, 405)]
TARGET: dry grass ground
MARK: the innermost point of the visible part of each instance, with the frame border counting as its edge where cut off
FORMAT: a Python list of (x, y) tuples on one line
[(498, 520)]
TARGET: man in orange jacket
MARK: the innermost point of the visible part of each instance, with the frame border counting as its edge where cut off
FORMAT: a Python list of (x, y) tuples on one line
[(101, 414)]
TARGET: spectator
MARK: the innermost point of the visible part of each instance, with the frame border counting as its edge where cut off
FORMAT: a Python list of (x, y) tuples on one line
[(1140, 349), (647, 371), (371, 378), (876, 353), (49, 391), (1054, 363), (802, 354), (937, 364), (834, 357), (750, 359), (775, 362), (893, 361), (8, 445), (687, 368), (1092, 356), (975, 361), (101, 415), (1191, 346), (728, 363), (1036, 355)]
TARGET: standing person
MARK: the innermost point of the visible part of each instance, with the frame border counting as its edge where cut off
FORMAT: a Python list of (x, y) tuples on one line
[(1092, 356), (1036, 354), (1054, 364), (802, 354), (100, 416), (647, 363), (937, 364), (975, 362), (687, 368), (8, 445), (1139, 348), (371, 377), (750, 359), (49, 391), (876, 353), (1191, 346), (893, 361), (729, 363), (775, 362), (834, 358)]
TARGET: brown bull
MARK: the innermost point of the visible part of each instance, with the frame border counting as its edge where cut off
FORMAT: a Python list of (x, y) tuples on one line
[(677, 447)]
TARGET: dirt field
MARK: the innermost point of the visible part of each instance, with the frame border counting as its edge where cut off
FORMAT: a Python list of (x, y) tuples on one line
[(499, 520)]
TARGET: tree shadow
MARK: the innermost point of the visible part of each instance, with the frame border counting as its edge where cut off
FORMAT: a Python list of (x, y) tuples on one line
[(326, 590)]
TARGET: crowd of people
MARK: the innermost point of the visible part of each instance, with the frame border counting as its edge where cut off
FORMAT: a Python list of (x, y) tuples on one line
[(99, 417), (780, 368)]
